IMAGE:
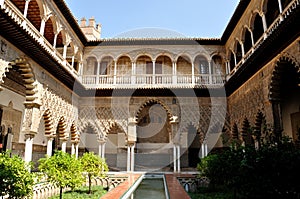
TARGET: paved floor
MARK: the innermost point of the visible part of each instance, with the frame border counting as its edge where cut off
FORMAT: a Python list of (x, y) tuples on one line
[(176, 191), (118, 191)]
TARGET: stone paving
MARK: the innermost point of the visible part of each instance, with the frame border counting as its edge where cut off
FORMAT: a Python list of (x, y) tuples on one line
[(117, 192)]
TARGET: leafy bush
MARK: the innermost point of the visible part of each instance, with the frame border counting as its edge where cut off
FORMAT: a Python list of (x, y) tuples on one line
[(269, 172), (63, 170), (15, 178)]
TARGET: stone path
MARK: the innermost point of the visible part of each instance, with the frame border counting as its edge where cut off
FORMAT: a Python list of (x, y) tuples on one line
[(176, 190), (117, 192)]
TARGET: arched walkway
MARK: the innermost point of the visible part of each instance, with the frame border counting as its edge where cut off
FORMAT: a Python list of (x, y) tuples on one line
[(285, 98), (153, 136)]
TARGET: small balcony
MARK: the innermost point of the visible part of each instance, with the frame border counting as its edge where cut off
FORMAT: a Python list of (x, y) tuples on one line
[(152, 81)]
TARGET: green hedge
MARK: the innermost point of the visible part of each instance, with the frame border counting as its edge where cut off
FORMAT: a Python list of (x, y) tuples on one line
[(273, 171)]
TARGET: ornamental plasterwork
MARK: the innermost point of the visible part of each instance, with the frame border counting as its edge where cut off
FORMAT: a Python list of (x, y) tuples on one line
[(4, 66), (7, 54), (188, 115), (59, 107), (104, 117)]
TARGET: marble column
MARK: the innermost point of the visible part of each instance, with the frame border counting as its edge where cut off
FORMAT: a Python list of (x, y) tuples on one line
[(103, 150), (64, 145), (73, 149), (176, 141), (28, 147), (55, 40), (102, 142), (49, 146), (178, 158), (65, 51), (265, 25), (174, 158), (128, 158), (133, 72), (26, 8), (174, 69), (153, 72), (209, 72), (132, 158), (193, 73), (115, 72), (42, 27), (76, 150)]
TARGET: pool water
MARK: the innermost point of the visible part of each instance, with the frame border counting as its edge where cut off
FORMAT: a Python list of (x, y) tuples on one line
[(150, 189)]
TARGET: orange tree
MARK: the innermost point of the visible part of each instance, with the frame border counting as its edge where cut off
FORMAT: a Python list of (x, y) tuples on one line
[(63, 170), (94, 166), (15, 179)]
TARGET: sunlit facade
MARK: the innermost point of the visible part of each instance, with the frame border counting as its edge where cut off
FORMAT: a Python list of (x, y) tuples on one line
[(144, 103)]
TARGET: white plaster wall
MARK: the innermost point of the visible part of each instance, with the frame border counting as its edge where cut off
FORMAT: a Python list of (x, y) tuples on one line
[(111, 144), (40, 138)]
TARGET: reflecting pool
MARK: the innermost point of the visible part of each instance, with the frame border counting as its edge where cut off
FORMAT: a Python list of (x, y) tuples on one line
[(148, 187)]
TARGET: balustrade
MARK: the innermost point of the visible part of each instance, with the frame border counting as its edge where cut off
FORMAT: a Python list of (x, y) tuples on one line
[(104, 81), (9, 8), (290, 8)]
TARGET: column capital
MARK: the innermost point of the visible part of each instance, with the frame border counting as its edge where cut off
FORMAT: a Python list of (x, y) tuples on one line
[(130, 143), (64, 139), (29, 135), (132, 121), (74, 142), (29, 105), (102, 140), (174, 119), (50, 138)]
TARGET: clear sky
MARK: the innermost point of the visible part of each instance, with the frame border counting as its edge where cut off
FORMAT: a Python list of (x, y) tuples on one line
[(190, 18)]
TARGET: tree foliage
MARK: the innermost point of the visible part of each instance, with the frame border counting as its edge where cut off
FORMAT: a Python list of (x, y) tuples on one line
[(268, 172), (62, 170), (247, 133), (15, 178), (94, 166)]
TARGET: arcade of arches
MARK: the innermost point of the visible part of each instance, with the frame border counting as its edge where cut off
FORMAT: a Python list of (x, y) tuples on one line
[(144, 104)]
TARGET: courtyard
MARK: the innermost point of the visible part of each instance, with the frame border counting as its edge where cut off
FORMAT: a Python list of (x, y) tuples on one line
[(150, 112)]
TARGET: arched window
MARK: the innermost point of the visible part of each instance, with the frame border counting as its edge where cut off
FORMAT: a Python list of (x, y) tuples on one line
[(91, 66), (258, 28), (232, 61), (106, 66), (49, 30), (247, 41), (201, 65), (218, 65), (272, 11), (238, 53)]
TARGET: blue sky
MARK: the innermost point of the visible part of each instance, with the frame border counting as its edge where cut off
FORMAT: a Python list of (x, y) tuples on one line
[(189, 18)]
